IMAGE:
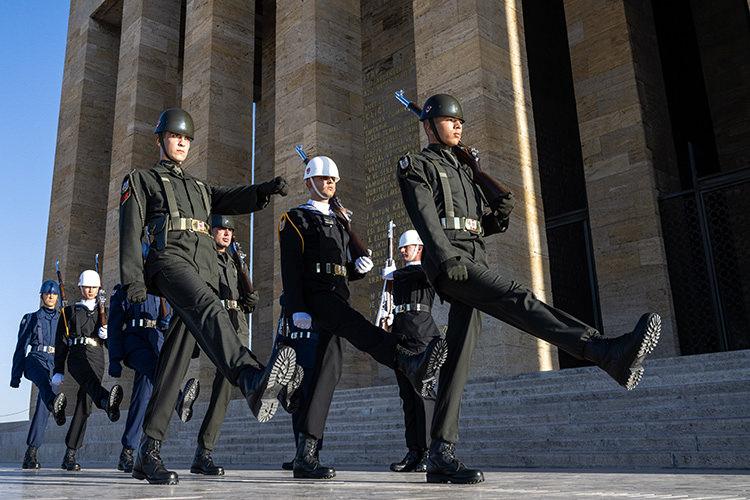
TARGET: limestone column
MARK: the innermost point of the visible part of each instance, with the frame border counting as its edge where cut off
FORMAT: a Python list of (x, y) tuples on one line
[(319, 104), (619, 122), (218, 93), (76, 227), (476, 52)]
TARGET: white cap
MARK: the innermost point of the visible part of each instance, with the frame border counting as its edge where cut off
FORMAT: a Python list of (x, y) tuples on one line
[(89, 278), (321, 166), (410, 237)]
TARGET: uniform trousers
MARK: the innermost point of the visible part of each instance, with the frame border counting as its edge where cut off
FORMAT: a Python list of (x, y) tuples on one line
[(38, 369), (507, 301), (142, 360), (86, 366)]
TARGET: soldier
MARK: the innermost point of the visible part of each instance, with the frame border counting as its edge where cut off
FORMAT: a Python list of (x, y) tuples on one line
[(37, 334), (447, 209), (136, 334), (316, 267), (80, 341), (182, 267), (412, 299)]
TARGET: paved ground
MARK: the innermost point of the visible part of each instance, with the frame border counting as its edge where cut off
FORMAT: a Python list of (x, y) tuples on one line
[(512, 483)]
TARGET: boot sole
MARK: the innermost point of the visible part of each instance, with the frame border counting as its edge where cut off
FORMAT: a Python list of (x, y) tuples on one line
[(282, 369), (437, 357), (141, 476), (189, 395), (113, 405), (648, 344), (294, 384), (195, 470), (302, 475), (444, 478), (58, 408)]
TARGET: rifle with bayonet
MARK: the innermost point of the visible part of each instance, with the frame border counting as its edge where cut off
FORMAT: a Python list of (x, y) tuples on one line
[(101, 296), (343, 214), (385, 309), (494, 191), (63, 300), (246, 287)]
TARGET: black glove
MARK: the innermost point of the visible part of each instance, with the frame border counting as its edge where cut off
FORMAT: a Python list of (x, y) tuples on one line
[(455, 270), (15, 383), (136, 293), (505, 206), (249, 301), (276, 186), (115, 369)]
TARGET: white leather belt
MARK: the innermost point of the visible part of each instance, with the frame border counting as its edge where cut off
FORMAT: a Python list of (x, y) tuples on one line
[(402, 308)]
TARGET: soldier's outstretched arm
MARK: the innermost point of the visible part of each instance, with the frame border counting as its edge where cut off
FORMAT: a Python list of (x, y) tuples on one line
[(235, 200), (16, 371), (132, 221), (420, 205), (292, 245)]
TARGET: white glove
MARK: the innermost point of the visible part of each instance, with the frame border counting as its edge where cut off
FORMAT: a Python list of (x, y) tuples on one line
[(57, 379), (388, 272), (303, 321), (389, 319), (363, 265), (103, 332)]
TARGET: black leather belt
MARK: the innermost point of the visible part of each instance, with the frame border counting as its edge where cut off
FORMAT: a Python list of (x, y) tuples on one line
[(329, 268), (44, 348), (84, 341), (402, 308), (231, 304), (144, 323)]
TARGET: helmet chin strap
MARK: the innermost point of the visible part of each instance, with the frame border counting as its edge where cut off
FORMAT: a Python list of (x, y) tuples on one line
[(315, 188)]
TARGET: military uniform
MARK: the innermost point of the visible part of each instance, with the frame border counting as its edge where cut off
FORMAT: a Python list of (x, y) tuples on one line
[(136, 335), (37, 334), (80, 346), (413, 297)]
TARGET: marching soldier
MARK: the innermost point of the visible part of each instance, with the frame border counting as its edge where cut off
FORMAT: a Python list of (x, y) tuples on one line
[(136, 334), (37, 334), (447, 209), (80, 341), (182, 267), (316, 267), (412, 300)]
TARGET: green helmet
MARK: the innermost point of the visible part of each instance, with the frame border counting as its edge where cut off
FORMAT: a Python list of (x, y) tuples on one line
[(175, 120), (222, 221), (441, 105)]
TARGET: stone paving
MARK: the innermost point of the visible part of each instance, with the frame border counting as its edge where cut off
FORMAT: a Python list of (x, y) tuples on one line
[(509, 483)]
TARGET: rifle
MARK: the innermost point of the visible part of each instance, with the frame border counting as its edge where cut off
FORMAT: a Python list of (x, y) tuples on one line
[(246, 285), (163, 308), (386, 297), (494, 190), (343, 214), (101, 296), (63, 302)]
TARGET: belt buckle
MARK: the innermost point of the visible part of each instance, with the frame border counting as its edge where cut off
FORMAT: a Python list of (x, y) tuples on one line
[(199, 225), (471, 225)]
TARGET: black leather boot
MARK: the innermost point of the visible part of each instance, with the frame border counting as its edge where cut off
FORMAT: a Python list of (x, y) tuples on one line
[(261, 388), (287, 465), (126, 460), (444, 467), (289, 396), (112, 403), (306, 463), (622, 357), (409, 462), (58, 408), (203, 463), (421, 466), (187, 397), (421, 369), (29, 459), (69, 462), (149, 466)]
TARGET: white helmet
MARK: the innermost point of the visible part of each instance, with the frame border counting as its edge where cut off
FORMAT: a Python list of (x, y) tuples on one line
[(89, 278), (410, 237), (321, 166)]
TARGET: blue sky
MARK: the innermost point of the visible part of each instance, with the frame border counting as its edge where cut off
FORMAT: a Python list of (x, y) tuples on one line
[(32, 54)]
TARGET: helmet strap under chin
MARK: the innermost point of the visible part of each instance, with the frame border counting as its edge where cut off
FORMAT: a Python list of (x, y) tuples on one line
[(315, 188)]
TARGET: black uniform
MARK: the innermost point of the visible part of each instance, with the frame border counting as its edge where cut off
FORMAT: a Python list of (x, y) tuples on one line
[(413, 297), (459, 235), (181, 263), (84, 352), (316, 269), (174, 361)]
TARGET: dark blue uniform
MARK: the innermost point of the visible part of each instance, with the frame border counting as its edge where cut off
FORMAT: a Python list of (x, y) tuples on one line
[(37, 333), (136, 335)]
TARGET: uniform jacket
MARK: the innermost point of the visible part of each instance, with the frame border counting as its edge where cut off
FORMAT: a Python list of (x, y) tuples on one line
[(308, 237), (81, 323), (123, 336), (229, 288), (37, 329), (410, 286), (143, 204)]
